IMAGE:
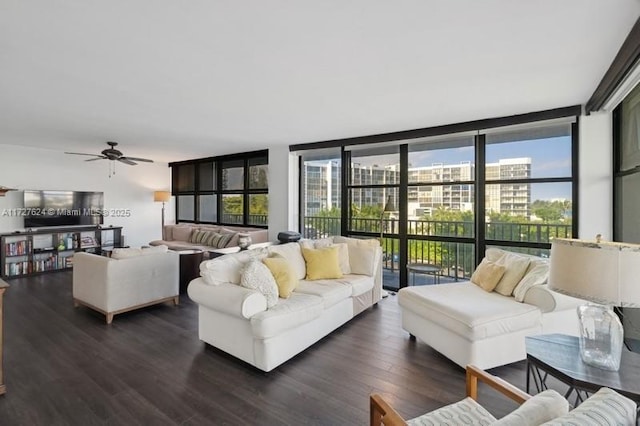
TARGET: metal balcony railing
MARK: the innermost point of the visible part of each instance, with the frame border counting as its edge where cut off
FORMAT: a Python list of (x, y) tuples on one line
[(455, 260)]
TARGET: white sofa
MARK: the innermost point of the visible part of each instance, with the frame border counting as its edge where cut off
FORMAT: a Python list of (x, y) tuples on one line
[(469, 325), (236, 320), (130, 279)]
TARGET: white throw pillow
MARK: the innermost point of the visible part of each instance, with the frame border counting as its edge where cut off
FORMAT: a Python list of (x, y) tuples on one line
[(538, 409), (257, 276), (535, 276), (605, 407), (155, 249), (125, 253), (362, 260), (291, 252), (516, 266)]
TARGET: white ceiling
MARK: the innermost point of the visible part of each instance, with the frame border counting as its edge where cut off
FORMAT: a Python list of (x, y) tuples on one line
[(174, 80)]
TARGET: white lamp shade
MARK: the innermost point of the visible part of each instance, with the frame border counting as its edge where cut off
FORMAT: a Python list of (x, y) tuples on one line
[(162, 196), (607, 273)]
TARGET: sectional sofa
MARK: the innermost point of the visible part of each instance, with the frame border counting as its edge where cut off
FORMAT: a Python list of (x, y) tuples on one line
[(186, 236), (237, 320)]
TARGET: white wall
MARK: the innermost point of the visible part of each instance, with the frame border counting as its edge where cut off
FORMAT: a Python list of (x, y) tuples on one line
[(131, 188), (283, 192), (596, 176)]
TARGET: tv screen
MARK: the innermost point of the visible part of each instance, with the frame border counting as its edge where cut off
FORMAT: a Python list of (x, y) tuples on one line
[(62, 208)]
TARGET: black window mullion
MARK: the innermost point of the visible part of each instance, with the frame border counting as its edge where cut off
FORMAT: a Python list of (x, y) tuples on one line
[(403, 211), (480, 193), (575, 175), (345, 211)]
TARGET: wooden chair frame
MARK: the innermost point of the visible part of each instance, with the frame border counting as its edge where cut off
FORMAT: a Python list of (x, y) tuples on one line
[(382, 414)]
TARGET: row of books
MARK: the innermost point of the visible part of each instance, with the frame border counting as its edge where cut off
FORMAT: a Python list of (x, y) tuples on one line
[(17, 248), (50, 263)]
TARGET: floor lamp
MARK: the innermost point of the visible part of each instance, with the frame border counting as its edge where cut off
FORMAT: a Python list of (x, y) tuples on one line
[(163, 197)]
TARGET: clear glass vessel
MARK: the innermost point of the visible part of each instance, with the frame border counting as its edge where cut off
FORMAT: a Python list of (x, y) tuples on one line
[(601, 336)]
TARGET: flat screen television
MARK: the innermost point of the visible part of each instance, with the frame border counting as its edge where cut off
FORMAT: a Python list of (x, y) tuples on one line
[(62, 208)]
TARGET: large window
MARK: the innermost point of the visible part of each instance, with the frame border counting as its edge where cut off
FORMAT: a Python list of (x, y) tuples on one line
[(229, 190), (442, 200)]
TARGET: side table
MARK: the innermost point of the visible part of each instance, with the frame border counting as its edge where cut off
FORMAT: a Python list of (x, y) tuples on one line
[(558, 356), (424, 268)]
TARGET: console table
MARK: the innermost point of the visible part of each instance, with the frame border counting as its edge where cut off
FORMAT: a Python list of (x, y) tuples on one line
[(3, 287), (558, 355)]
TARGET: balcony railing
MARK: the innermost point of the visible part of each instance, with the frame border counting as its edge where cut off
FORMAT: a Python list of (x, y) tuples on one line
[(254, 219), (455, 260)]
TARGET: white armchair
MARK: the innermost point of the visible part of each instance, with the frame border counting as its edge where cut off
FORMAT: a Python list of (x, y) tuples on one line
[(113, 286)]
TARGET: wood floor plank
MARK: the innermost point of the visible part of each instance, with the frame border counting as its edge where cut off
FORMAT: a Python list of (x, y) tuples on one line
[(64, 365)]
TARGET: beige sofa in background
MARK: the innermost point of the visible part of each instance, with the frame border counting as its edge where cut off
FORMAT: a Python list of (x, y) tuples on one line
[(180, 236)]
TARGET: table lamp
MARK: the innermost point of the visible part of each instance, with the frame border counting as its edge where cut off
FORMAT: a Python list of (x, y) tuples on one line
[(164, 197), (606, 273)]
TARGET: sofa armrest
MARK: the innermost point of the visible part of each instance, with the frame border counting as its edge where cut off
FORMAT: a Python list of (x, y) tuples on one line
[(228, 298), (548, 301)]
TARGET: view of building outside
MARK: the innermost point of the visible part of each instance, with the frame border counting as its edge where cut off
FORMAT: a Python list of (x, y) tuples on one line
[(322, 189)]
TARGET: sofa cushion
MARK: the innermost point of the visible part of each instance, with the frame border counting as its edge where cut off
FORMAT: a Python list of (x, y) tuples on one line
[(605, 407), (322, 263), (125, 253), (289, 313), (468, 310), (487, 274), (331, 291), (291, 252), (537, 274), (256, 276), (538, 409), (516, 266), (227, 268), (363, 259), (283, 273), (181, 233)]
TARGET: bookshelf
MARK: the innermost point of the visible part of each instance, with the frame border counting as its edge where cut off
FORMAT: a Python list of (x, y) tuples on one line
[(42, 251)]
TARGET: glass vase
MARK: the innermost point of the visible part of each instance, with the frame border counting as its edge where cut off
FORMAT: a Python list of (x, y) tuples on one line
[(601, 336)]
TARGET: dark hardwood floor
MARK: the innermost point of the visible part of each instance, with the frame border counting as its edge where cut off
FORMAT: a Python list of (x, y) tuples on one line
[(65, 366)]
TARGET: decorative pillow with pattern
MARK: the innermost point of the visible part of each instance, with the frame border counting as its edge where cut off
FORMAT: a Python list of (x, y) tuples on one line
[(257, 276)]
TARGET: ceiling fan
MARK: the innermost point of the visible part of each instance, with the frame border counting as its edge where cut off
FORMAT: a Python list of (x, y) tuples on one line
[(113, 154)]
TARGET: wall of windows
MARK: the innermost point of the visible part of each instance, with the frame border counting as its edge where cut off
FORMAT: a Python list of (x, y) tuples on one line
[(231, 190), (444, 199)]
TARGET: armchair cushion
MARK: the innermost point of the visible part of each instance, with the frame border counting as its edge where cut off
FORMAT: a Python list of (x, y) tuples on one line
[(536, 410), (605, 407), (465, 412)]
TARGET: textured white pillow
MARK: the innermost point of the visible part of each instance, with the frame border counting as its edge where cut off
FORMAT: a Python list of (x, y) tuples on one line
[(538, 409), (227, 268), (535, 276), (257, 276)]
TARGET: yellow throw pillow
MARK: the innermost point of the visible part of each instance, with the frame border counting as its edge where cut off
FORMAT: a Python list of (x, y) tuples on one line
[(487, 275), (283, 273), (322, 263)]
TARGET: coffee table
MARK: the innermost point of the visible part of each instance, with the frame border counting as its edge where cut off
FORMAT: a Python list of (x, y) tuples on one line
[(558, 356)]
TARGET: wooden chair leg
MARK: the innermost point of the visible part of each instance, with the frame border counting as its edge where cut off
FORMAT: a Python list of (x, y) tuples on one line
[(176, 300), (75, 303), (109, 318)]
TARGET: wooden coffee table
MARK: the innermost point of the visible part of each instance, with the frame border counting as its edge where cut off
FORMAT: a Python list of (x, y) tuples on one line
[(558, 355)]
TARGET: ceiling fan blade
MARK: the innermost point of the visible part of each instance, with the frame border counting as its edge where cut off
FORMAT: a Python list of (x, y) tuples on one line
[(146, 160), (79, 153), (127, 161), (98, 157)]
